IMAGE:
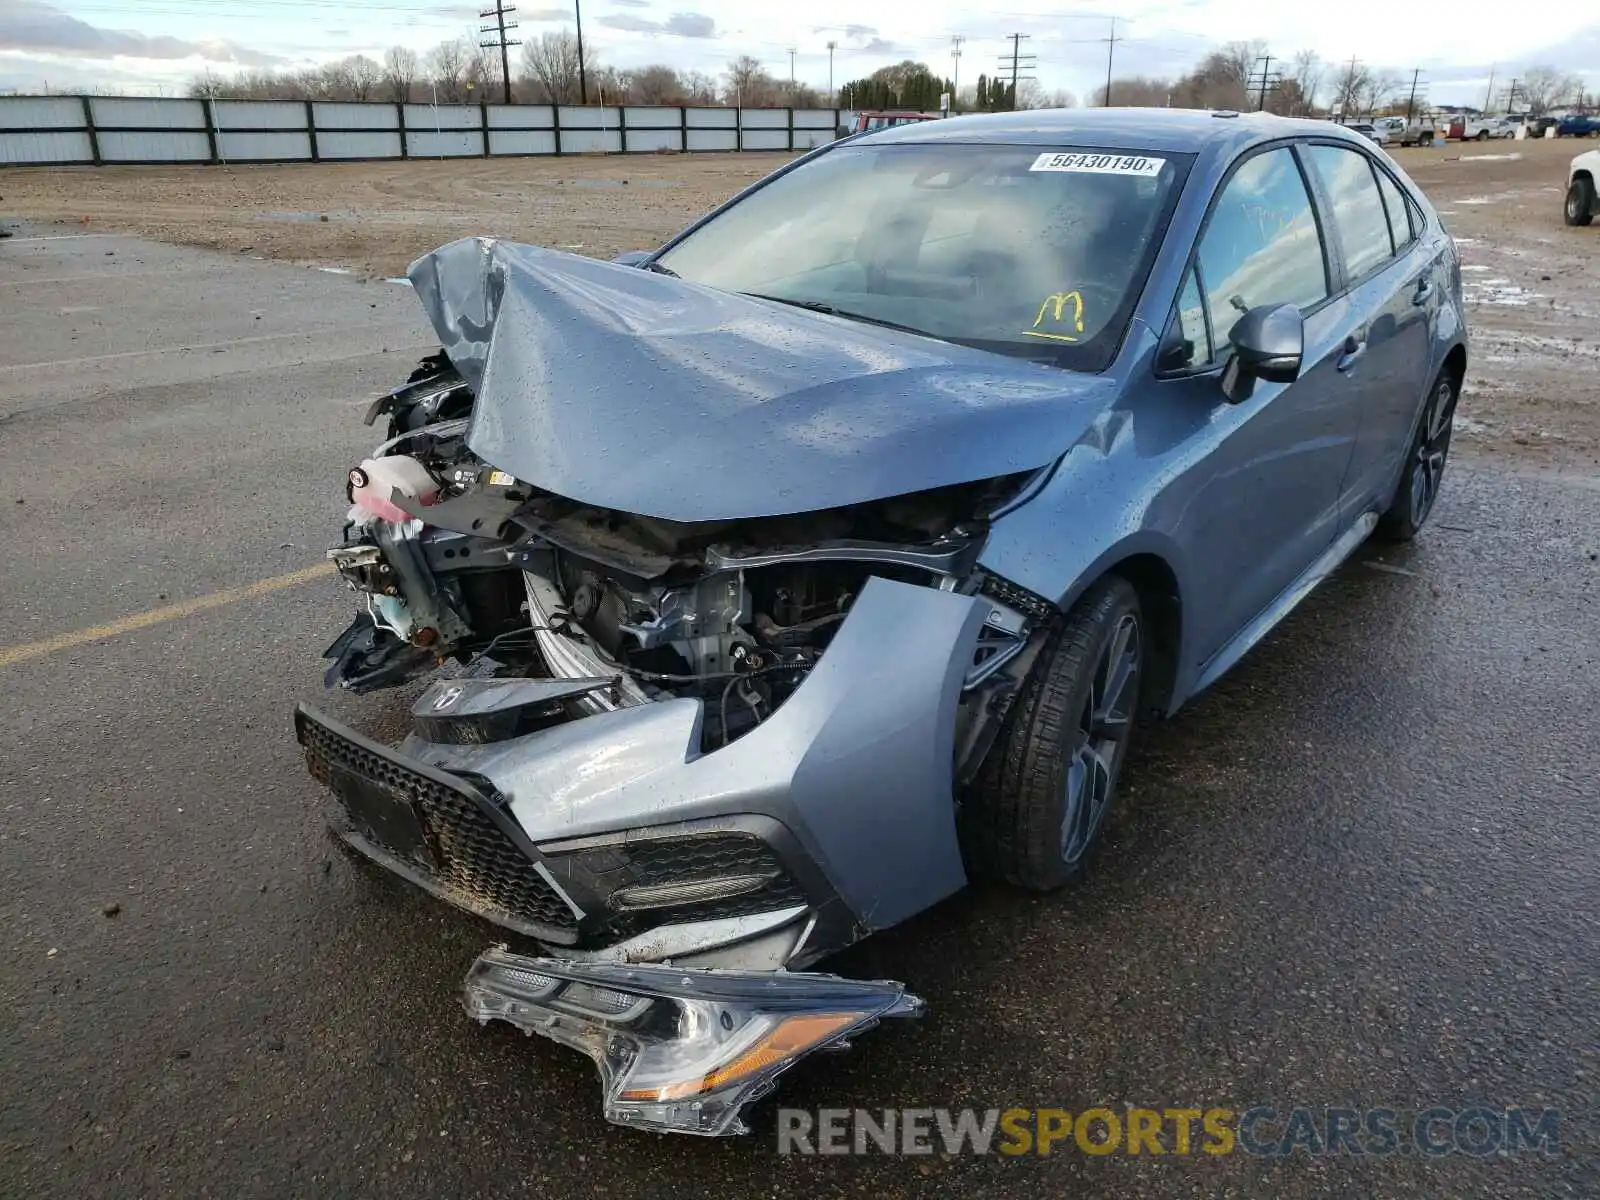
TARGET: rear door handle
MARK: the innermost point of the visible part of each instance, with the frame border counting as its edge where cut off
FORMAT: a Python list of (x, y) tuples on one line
[(1355, 348), (1424, 290)]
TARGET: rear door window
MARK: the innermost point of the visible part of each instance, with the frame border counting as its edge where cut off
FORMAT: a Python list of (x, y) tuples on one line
[(1358, 212)]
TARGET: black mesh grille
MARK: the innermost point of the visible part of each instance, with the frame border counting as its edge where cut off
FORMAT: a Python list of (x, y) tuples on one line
[(713, 856), (479, 867), (669, 860)]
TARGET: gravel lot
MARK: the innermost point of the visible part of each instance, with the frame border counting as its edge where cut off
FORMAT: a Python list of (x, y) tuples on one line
[(1360, 871)]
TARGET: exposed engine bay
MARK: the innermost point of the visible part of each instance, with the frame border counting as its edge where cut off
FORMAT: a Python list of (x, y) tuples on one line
[(703, 679), (465, 568)]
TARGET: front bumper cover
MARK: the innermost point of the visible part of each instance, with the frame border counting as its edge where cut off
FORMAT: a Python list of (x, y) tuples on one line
[(680, 1051)]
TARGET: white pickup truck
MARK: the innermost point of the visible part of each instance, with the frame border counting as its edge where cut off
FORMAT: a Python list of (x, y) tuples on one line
[(1481, 129), (1417, 132), (1582, 206)]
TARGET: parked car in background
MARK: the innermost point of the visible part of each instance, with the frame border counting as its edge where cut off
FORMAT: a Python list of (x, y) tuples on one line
[(1481, 129), (1369, 131), (887, 120), (1582, 203), (1578, 126), (1419, 131), (772, 583)]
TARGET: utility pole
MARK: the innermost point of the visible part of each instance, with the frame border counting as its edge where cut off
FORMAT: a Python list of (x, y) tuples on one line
[(1111, 47), (1488, 92), (1411, 104), (832, 46), (499, 12), (955, 68), (1268, 81), (791, 74), (1018, 62), (583, 80)]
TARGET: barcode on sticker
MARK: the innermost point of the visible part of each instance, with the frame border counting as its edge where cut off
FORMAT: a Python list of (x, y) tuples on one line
[(1100, 164)]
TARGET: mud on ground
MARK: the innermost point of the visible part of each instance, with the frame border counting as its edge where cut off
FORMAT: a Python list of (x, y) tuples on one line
[(1533, 392)]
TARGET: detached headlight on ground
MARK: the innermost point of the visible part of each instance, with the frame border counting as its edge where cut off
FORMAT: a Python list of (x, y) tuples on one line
[(680, 1050)]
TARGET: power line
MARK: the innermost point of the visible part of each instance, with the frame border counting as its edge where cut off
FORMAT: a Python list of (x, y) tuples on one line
[(500, 41)]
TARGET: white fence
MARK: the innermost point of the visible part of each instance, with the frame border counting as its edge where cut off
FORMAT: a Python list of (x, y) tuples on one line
[(40, 130)]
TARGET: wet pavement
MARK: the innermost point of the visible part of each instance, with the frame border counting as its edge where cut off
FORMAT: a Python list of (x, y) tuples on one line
[(1361, 872)]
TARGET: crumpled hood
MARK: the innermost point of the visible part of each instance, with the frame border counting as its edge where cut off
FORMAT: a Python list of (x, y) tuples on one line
[(651, 395)]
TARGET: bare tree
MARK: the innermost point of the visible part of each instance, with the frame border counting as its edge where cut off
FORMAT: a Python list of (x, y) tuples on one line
[(1380, 89), (208, 86), (400, 69), (1140, 91), (364, 76), (1238, 59), (1546, 88), (1353, 83), (1031, 94), (447, 70), (699, 88), (550, 67), (749, 83), (1307, 75), (658, 84)]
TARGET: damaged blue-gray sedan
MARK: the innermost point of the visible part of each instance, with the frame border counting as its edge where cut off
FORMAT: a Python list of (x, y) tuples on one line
[(772, 583)]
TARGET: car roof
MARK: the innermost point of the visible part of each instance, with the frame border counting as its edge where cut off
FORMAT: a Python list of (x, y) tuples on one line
[(1176, 130)]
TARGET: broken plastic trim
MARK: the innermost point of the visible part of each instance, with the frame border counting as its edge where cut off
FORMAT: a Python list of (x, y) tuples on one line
[(679, 1050)]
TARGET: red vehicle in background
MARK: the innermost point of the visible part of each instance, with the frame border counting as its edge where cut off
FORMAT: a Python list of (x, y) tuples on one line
[(883, 120)]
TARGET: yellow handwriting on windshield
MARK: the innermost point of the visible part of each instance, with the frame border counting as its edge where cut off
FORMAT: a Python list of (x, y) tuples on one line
[(1055, 307)]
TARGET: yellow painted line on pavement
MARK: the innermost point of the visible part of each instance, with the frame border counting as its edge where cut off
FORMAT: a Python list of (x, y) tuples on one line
[(10, 656)]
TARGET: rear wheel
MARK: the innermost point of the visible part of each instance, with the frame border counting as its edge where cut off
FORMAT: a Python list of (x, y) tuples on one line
[(1424, 471), (1043, 795), (1580, 202), (1483, 135)]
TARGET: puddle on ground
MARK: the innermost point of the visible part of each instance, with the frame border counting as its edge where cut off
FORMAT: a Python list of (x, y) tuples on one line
[(1497, 291), (401, 280)]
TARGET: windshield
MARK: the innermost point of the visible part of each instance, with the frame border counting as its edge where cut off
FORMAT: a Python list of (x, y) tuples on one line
[(1030, 252)]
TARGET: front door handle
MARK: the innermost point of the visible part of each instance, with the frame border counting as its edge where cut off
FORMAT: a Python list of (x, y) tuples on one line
[(1355, 348), (1424, 290)]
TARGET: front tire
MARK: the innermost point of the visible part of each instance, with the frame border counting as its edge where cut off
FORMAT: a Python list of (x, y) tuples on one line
[(1483, 135), (1580, 202), (1424, 470), (1041, 799)]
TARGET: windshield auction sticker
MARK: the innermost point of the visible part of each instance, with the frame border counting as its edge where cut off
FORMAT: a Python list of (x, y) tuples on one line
[(1100, 164)]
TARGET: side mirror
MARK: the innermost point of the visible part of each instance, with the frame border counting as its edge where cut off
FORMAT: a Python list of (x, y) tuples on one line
[(1268, 343), (632, 258)]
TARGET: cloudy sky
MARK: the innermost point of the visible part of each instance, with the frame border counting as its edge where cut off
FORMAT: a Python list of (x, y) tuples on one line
[(151, 45)]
